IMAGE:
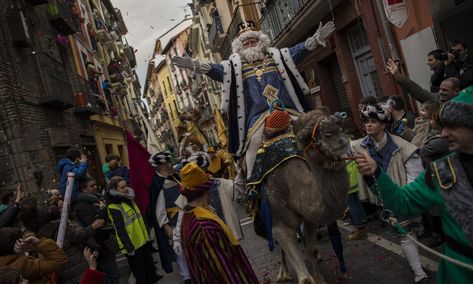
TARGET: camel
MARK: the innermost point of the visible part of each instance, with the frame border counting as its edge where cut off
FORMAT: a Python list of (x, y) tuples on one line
[(313, 192)]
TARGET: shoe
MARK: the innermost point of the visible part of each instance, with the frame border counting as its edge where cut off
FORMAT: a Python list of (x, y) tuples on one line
[(432, 242), (358, 234), (424, 280), (423, 235)]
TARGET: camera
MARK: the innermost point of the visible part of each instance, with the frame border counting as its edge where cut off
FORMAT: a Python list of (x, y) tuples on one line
[(443, 56), (455, 53)]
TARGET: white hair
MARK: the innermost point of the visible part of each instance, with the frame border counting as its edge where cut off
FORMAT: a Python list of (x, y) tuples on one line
[(254, 53)]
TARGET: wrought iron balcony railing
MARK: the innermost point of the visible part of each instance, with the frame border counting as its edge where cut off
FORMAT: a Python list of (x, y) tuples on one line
[(60, 16), (56, 85), (216, 34), (278, 15), (88, 102)]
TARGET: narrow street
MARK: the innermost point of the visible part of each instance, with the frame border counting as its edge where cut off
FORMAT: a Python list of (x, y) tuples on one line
[(377, 259)]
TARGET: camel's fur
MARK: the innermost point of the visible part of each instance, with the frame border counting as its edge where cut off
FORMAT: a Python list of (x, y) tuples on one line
[(313, 192)]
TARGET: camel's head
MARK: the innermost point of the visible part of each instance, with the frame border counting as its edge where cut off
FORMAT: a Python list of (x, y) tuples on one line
[(322, 138)]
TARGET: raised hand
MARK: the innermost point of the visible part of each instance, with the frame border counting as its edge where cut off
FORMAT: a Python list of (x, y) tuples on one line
[(183, 62), (91, 257), (392, 67), (324, 31)]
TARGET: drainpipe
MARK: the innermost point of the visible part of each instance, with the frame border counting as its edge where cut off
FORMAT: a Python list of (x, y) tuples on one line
[(387, 31)]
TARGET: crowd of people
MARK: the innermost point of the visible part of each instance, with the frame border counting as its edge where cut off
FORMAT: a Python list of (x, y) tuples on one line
[(419, 167)]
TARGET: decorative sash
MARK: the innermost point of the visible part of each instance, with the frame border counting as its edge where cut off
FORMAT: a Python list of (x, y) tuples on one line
[(457, 192)]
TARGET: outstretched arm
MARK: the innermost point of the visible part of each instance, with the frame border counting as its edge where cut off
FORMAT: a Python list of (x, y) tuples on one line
[(410, 200), (409, 86), (301, 50), (214, 71)]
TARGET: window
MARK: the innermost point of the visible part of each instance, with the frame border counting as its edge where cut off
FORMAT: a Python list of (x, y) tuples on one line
[(169, 84), (170, 111), (364, 61), (165, 91), (175, 106)]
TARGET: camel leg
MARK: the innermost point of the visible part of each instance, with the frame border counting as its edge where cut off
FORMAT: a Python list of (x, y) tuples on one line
[(287, 239), (310, 234), (283, 275)]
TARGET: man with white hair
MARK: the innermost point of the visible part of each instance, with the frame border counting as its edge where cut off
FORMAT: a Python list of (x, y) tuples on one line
[(254, 77)]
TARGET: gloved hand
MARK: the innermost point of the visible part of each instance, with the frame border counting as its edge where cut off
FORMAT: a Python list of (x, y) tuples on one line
[(325, 31), (320, 36), (183, 62)]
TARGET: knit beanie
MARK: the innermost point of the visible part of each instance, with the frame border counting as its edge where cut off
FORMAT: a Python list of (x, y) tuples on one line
[(458, 111)]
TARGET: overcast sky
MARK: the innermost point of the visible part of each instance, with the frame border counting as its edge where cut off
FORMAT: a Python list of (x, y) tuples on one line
[(146, 20)]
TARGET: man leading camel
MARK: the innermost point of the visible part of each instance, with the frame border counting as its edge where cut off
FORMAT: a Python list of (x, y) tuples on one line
[(254, 76), (446, 182)]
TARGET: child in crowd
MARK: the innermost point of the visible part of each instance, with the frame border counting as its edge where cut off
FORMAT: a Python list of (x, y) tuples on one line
[(421, 131)]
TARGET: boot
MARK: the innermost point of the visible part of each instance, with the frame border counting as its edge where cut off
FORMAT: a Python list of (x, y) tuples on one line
[(411, 252), (358, 234)]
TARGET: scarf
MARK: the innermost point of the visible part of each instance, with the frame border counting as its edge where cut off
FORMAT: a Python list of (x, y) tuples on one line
[(130, 194)]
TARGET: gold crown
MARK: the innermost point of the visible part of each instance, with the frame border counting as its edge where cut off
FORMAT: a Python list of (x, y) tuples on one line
[(246, 26)]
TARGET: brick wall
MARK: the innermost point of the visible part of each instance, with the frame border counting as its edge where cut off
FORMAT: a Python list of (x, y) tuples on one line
[(23, 120)]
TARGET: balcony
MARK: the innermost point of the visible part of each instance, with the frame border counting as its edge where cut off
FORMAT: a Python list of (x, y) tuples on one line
[(216, 35), (87, 101), (102, 35), (196, 85), (278, 15), (56, 84), (232, 33), (284, 21), (87, 104), (130, 55), (60, 16)]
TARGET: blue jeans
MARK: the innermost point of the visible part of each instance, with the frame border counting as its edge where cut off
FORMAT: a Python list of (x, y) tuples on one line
[(356, 210)]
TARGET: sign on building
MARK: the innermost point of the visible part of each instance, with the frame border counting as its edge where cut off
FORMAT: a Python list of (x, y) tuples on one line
[(396, 11)]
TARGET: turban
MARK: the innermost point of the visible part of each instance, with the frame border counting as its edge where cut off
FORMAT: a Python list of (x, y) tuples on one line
[(160, 158), (194, 181), (200, 158), (378, 111)]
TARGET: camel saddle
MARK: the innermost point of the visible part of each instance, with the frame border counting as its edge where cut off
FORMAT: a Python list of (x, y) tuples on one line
[(272, 154)]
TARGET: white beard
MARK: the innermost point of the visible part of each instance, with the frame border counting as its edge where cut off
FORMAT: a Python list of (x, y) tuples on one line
[(253, 54)]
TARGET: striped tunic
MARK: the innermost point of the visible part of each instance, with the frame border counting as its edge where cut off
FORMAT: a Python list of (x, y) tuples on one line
[(212, 253)]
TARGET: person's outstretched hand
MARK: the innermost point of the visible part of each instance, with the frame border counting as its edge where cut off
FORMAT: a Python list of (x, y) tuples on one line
[(392, 67), (91, 257), (183, 62), (325, 31), (366, 165)]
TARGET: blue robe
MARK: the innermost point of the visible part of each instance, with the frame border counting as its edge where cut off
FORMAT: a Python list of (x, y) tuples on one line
[(256, 103)]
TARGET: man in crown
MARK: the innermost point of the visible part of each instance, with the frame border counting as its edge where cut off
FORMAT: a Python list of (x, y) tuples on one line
[(253, 78)]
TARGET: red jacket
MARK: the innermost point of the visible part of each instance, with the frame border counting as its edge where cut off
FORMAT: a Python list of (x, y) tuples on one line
[(92, 277)]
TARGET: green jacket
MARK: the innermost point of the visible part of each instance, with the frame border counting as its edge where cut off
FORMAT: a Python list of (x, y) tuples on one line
[(414, 199)]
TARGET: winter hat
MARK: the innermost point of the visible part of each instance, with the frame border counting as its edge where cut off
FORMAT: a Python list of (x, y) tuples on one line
[(378, 111), (160, 158), (200, 158), (194, 181), (458, 111)]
